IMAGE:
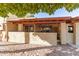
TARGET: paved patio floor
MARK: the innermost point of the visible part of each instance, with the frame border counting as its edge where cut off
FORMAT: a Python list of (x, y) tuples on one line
[(10, 49)]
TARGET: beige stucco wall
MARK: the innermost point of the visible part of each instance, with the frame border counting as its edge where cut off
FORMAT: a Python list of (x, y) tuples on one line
[(43, 38), (69, 35), (63, 33), (76, 32), (1, 26), (12, 27), (33, 38), (38, 37), (70, 38), (20, 27), (4, 39), (18, 37)]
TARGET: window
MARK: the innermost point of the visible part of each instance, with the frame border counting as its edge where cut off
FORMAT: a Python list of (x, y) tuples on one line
[(38, 28), (46, 29), (28, 28), (70, 29)]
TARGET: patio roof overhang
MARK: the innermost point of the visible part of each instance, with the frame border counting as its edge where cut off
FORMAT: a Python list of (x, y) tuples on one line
[(75, 19), (55, 20)]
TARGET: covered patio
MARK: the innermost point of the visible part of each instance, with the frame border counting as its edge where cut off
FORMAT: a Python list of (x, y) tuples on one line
[(53, 36), (42, 31)]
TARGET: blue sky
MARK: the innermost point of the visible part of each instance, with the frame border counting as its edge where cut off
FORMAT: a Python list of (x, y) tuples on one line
[(59, 13)]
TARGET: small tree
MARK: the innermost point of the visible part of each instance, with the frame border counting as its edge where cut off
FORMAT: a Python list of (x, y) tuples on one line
[(21, 9)]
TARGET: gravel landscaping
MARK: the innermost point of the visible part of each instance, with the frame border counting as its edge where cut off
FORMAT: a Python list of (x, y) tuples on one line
[(37, 50)]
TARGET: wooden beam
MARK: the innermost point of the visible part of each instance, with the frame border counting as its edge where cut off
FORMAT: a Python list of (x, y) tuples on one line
[(35, 22)]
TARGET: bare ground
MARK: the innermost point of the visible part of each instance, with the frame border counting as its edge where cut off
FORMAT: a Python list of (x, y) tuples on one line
[(37, 50)]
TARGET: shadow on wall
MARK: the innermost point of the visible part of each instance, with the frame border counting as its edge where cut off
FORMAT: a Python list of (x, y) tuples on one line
[(33, 38), (43, 38)]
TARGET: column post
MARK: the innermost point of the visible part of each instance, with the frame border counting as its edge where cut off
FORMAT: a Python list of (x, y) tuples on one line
[(20, 27), (76, 34), (63, 33)]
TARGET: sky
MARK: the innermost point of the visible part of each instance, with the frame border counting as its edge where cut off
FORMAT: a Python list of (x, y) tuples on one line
[(59, 13)]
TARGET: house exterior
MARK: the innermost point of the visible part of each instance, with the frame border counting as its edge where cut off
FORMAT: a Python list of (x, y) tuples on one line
[(43, 31)]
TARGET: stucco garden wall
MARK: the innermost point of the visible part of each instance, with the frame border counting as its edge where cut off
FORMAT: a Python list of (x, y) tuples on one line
[(18, 37), (33, 38), (43, 38)]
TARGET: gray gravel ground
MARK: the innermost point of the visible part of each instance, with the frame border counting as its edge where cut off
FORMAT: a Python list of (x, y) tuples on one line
[(36, 50)]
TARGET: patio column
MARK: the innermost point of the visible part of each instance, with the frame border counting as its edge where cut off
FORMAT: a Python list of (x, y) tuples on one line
[(76, 34), (34, 28), (20, 27), (63, 33)]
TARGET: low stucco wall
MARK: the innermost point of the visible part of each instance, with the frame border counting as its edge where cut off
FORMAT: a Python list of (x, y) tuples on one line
[(33, 38), (43, 38), (70, 38), (18, 37)]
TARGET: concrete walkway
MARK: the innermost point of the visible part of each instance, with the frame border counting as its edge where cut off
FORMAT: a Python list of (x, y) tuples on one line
[(10, 49)]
